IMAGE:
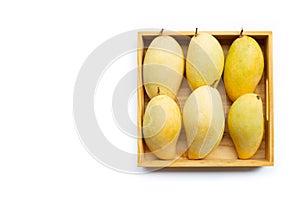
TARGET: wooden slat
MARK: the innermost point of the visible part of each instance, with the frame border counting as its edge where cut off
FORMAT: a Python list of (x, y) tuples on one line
[(270, 107), (140, 98)]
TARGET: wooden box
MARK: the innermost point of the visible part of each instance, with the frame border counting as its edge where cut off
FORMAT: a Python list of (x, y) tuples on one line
[(225, 154)]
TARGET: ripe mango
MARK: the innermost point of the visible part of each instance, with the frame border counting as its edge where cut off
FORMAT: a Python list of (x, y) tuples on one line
[(163, 67), (204, 61), (161, 126), (246, 124), (204, 121), (244, 66)]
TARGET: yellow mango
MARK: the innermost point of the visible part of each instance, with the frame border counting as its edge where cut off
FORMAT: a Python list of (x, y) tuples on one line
[(246, 124), (204, 121), (161, 126), (244, 66), (204, 61), (163, 67)]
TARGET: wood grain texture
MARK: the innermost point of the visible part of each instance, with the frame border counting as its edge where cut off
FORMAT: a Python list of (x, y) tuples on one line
[(224, 155)]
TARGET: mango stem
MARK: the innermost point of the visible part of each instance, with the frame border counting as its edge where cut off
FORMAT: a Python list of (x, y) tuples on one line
[(241, 33), (161, 32)]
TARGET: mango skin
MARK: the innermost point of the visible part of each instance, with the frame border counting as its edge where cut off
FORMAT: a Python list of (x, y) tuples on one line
[(244, 66), (162, 126), (204, 121), (204, 61), (246, 124), (163, 67)]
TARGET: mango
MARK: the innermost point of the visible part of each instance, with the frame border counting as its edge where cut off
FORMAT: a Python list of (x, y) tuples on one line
[(204, 61), (163, 67), (162, 126), (244, 66), (204, 121), (246, 124)]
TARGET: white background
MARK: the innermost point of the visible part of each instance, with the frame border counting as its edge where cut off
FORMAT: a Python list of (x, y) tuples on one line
[(42, 48)]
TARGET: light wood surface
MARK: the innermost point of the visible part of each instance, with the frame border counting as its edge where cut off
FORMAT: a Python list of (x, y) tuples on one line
[(224, 154)]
